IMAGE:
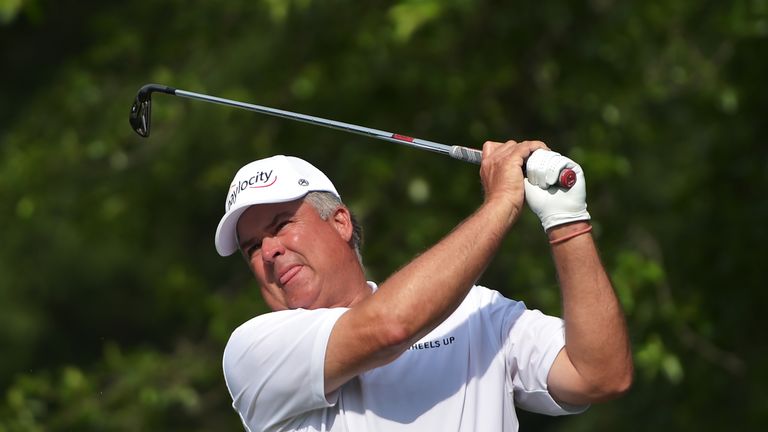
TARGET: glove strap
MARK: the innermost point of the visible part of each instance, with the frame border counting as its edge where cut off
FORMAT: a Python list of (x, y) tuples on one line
[(571, 235)]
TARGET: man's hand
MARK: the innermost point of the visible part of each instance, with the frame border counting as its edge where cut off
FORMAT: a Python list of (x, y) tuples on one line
[(501, 172), (554, 205)]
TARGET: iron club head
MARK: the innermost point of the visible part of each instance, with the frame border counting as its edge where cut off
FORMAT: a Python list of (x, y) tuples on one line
[(141, 110)]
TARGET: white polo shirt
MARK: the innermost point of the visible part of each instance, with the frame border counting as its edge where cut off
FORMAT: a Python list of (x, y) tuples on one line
[(468, 374)]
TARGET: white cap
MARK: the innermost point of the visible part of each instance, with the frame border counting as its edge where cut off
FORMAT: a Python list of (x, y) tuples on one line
[(272, 180)]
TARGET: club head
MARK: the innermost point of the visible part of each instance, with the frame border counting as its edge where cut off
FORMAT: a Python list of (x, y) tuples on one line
[(141, 110)]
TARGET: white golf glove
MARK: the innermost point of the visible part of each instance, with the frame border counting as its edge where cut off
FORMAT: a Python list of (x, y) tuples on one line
[(552, 204)]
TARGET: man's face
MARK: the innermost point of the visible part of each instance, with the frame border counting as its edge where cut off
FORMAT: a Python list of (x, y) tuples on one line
[(295, 254)]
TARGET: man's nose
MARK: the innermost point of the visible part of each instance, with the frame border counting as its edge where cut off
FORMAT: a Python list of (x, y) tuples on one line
[(271, 248)]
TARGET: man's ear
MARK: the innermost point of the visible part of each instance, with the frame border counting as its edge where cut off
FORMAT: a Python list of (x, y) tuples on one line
[(342, 221)]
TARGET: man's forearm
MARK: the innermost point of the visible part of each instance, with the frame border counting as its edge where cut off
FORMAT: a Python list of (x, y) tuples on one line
[(595, 331)]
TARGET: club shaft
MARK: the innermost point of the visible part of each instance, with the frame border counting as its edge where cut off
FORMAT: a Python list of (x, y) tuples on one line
[(361, 130), (140, 116)]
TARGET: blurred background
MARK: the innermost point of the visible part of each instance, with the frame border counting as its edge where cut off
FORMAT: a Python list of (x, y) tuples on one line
[(115, 307)]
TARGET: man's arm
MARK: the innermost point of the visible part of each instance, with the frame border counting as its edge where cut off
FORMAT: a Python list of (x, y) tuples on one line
[(596, 363), (414, 300)]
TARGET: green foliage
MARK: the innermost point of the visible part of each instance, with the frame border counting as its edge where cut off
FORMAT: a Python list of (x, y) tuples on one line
[(141, 390), (114, 307)]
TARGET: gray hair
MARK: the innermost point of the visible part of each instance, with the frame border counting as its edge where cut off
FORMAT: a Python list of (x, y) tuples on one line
[(326, 203)]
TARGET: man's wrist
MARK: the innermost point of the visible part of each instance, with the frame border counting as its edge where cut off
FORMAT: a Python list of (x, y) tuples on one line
[(503, 207), (566, 230)]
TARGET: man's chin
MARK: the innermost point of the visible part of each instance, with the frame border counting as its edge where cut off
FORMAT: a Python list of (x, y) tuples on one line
[(301, 297)]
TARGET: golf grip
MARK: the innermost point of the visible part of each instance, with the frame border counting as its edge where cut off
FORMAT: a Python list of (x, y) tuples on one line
[(566, 179)]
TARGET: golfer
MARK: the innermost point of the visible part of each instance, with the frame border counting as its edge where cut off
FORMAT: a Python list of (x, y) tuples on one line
[(426, 349)]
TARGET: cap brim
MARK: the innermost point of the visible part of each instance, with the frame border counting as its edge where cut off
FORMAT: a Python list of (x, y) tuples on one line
[(226, 240)]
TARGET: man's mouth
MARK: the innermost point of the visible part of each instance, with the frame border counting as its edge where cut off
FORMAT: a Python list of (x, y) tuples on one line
[(289, 274)]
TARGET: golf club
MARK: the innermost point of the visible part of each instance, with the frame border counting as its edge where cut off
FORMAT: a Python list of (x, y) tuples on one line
[(140, 119)]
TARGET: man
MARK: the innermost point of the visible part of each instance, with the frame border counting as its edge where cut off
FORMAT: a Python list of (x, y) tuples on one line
[(426, 350)]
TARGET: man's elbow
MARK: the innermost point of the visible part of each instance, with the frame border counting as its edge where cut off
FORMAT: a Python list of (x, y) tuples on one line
[(392, 339), (618, 387), (613, 387)]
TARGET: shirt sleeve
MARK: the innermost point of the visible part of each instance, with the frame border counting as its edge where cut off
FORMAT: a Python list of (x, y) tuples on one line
[(274, 365), (534, 341)]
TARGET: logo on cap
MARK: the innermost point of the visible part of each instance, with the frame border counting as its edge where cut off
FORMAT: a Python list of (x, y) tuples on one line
[(303, 182), (258, 180)]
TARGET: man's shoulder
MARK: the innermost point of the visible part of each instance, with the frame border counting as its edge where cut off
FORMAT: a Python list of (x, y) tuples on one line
[(277, 323), (265, 318), (481, 296), (254, 340), (486, 305)]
